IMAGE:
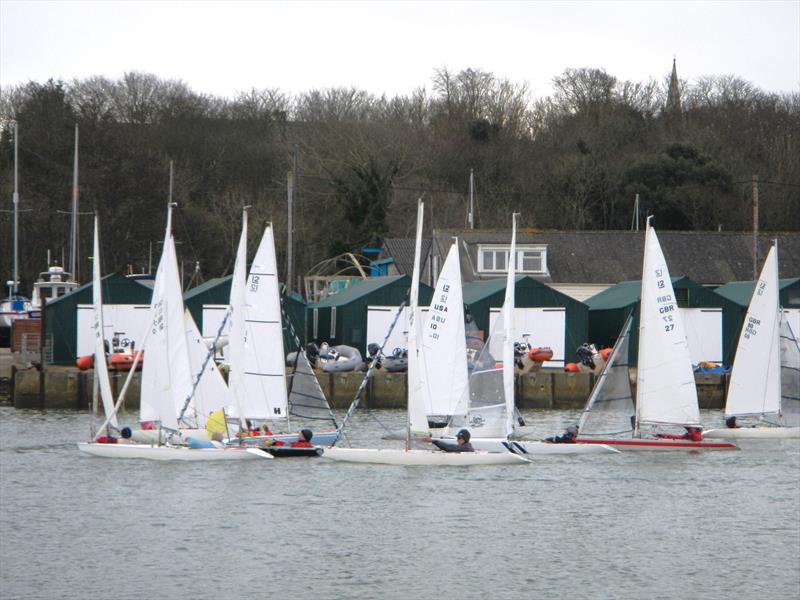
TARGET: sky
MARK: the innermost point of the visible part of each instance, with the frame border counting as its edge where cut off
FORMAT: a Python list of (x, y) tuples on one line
[(392, 48)]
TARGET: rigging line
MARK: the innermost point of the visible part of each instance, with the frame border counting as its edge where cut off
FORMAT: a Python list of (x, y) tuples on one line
[(368, 374), (203, 368)]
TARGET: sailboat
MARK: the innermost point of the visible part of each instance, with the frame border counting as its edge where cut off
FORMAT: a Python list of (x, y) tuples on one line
[(490, 400), (765, 379), (431, 370), (167, 389), (666, 394), (257, 377)]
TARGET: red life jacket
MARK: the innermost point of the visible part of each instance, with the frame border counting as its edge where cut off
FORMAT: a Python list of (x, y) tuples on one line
[(106, 439), (299, 444)]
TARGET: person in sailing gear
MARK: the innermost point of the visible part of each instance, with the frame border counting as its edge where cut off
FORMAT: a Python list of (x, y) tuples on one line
[(730, 423), (568, 437), (694, 434), (462, 443), (303, 440)]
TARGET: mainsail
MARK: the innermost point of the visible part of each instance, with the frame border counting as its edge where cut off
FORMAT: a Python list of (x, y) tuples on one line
[(444, 346), (666, 392), (755, 386), (166, 377), (262, 360), (100, 365), (417, 384)]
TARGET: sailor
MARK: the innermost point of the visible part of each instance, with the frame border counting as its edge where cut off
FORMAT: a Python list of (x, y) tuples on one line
[(568, 437), (730, 423), (462, 443), (695, 434), (303, 440)]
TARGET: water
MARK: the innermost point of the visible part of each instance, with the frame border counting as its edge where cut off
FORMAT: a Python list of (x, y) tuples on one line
[(701, 525)]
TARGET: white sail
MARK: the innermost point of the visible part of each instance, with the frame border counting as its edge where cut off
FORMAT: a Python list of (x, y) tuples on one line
[(166, 380), (210, 392), (444, 342), (491, 388), (100, 365), (417, 387), (790, 376), (263, 370), (755, 386), (665, 385), (237, 318), (509, 329), (609, 409)]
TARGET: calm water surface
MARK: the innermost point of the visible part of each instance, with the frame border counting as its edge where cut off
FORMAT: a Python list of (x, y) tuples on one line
[(628, 526)]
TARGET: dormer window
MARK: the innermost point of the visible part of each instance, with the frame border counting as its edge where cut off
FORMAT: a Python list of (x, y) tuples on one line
[(530, 259)]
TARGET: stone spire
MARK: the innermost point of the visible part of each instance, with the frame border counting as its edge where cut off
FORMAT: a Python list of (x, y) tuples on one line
[(674, 92)]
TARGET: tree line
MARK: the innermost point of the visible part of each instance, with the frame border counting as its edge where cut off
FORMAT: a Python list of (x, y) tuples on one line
[(574, 160)]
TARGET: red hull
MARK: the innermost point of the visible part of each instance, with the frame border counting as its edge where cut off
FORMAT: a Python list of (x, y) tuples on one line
[(638, 444)]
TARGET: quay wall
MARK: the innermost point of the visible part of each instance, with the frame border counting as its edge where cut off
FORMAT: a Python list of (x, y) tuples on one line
[(71, 389)]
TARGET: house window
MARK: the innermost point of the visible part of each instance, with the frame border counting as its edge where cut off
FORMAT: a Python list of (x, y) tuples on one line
[(529, 259)]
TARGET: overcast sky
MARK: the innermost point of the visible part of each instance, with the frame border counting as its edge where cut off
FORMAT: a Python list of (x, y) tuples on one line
[(394, 47)]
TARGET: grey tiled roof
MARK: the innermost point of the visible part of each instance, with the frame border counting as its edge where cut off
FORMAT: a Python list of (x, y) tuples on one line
[(604, 257)]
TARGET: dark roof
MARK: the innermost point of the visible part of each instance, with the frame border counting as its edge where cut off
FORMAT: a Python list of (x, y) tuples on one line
[(605, 257), (357, 290), (740, 292)]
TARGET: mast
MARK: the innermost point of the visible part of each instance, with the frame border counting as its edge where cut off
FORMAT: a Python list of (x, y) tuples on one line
[(471, 216), (73, 252), (15, 200)]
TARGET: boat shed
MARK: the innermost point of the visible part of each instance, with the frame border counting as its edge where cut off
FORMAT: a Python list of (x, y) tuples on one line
[(543, 315), (739, 293), (342, 318), (208, 303), (702, 311), (126, 302)]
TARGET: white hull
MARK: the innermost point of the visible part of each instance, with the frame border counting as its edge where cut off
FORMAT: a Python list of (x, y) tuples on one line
[(169, 452), (386, 456), (659, 445), (150, 436), (760, 433), (538, 448)]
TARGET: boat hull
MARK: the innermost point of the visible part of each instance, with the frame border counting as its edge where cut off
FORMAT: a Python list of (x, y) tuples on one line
[(386, 456), (759, 433), (638, 444), (143, 451), (538, 447)]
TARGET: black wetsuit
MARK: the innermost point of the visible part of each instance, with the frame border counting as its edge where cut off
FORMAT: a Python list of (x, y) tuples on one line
[(451, 447), (566, 438)]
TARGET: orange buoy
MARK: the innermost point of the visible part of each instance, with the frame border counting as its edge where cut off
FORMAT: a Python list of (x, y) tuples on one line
[(85, 363), (540, 354), (605, 353), (571, 368)]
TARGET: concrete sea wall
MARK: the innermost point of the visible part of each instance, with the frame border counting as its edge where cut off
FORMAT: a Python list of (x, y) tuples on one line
[(69, 388)]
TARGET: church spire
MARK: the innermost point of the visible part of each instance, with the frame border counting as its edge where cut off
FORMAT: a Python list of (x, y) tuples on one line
[(674, 92)]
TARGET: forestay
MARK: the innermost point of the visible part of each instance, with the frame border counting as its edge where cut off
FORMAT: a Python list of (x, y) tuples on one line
[(665, 385), (610, 409), (209, 392)]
